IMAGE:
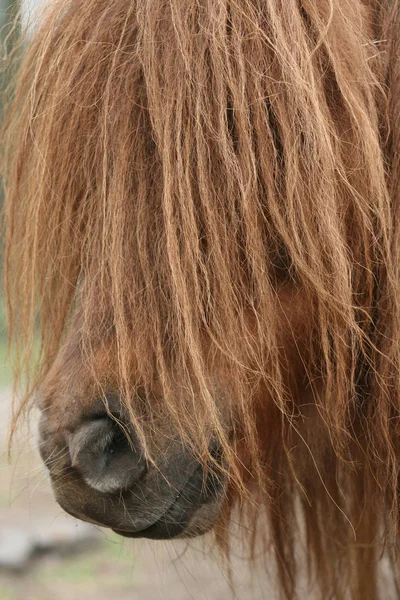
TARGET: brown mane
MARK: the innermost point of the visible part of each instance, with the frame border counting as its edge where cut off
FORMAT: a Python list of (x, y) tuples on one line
[(214, 186)]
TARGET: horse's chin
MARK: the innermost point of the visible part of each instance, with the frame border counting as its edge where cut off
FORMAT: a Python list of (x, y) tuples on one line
[(201, 520)]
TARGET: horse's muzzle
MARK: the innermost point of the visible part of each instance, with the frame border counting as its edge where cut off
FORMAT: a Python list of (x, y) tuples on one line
[(100, 474)]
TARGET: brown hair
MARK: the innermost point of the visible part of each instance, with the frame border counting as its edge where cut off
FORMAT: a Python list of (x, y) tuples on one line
[(173, 170)]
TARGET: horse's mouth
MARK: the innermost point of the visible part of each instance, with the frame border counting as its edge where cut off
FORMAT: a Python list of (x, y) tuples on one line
[(97, 476), (201, 493), (190, 513)]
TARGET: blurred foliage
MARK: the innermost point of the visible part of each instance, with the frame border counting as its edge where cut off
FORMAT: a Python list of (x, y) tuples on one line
[(8, 34)]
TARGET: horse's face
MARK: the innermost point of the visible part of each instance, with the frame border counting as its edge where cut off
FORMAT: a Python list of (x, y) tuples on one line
[(99, 468)]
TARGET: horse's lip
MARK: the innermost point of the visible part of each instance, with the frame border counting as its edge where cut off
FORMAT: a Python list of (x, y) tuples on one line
[(152, 527), (149, 528), (164, 528), (128, 534)]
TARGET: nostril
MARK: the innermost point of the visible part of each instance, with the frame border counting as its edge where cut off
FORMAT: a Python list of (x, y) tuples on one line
[(107, 457)]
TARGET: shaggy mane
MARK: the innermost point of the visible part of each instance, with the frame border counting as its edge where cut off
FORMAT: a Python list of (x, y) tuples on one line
[(214, 186)]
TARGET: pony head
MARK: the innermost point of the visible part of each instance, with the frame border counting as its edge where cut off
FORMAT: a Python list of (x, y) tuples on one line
[(202, 212)]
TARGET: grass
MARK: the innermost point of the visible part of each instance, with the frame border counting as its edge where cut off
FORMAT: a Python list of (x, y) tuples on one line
[(104, 572), (7, 593), (110, 564)]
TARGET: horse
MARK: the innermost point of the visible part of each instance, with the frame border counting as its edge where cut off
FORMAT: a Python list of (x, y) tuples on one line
[(203, 232)]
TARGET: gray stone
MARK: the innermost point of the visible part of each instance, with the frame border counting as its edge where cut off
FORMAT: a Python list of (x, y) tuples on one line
[(15, 550)]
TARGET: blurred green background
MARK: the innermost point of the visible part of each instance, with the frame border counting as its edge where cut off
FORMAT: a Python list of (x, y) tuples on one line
[(8, 10)]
